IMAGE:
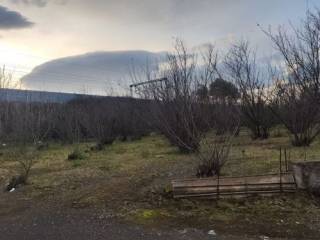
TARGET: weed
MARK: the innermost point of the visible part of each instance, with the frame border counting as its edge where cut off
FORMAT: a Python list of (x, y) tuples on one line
[(77, 154)]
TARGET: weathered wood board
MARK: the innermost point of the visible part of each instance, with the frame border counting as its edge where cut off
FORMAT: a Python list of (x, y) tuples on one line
[(233, 186)]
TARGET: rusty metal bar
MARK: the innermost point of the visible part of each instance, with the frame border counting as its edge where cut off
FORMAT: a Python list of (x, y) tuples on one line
[(280, 169)]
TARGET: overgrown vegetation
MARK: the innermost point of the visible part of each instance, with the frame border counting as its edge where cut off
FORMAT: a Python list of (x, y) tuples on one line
[(25, 158), (138, 173), (243, 69), (197, 93), (76, 154), (296, 97), (200, 114)]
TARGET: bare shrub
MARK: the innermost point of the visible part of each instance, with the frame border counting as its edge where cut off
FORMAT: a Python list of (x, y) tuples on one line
[(297, 111), (178, 111), (98, 118), (25, 158), (213, 154), (102, 119), (68, 126), (26, 162), (185, 112), (7, 80), (296, 98), (76, 154), (243, 69)]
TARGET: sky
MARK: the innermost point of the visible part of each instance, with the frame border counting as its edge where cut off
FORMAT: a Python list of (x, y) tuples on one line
[(33, 32)]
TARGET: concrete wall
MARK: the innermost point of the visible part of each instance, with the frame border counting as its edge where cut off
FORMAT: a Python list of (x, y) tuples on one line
[(307, 176)]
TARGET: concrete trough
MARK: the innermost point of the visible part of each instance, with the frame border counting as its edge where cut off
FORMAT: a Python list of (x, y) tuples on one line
[(307, 176)]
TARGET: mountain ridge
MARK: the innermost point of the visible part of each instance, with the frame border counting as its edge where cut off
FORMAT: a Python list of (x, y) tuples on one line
[(94, 72)]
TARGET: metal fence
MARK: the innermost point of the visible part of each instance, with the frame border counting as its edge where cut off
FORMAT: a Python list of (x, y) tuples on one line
[(253, 164)]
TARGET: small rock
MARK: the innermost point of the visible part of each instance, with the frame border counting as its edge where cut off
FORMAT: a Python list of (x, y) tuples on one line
[(264, 238), (184, 231), (212, 232), (12, 190)]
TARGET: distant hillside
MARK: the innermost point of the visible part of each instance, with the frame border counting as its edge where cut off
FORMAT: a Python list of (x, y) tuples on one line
[(14, 95), (92, 73)]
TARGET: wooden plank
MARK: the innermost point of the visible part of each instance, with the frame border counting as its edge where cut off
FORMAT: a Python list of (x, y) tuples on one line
[(234, 181), (222, 188), (228, 177), (192, 179), (232, 194), (267, 178), (233, 190), (267, 184), (235, 185)]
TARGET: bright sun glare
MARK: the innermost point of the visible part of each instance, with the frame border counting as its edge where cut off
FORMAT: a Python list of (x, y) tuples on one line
[(17, 63)]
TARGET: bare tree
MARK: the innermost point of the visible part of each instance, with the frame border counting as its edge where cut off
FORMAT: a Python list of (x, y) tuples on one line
[(68, 126), (296, 99), (175, 103), (223, 96), (24, 121), (6, 81), (244, 71), (223, 91), (99, 119), (184, 114), (296, 109)]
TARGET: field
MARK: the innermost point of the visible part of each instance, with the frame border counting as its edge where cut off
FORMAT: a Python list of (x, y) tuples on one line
[(131, 181)]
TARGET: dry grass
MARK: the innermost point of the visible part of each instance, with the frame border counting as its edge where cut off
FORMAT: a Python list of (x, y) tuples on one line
[(132, 179)]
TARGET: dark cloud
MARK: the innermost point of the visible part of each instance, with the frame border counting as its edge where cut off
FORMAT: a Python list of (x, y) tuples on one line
[(13, 20), (38, 3)]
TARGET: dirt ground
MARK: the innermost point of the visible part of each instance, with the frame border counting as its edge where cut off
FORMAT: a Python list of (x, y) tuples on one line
[(123, 192), (46, 222)]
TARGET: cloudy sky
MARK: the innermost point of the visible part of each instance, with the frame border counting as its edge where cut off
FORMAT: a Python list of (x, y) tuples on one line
[(33, 32)]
